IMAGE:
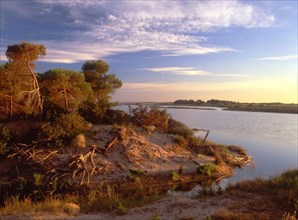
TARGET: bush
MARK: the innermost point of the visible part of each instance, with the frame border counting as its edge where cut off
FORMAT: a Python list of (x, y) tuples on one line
[(219, 152), (64, 128), (178, 128), (181, 141), (52, 111), (7, 138), (207, 169), (144, 117), (94, 112), (175, 176), (117, 117)]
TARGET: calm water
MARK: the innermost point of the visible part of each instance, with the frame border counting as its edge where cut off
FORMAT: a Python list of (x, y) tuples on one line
[(270, 138)]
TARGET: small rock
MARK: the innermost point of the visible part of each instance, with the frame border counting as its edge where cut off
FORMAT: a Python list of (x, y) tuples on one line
[(79, 141)]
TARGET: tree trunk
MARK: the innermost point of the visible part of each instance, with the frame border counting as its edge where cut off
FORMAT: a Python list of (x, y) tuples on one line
[(11, 107), (37, 88), (65, 99)]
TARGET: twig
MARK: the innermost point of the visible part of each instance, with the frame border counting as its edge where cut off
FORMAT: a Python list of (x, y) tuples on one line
[(51, 153)]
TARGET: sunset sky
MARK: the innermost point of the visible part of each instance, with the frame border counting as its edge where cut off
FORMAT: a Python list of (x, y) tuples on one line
[(166, 50)]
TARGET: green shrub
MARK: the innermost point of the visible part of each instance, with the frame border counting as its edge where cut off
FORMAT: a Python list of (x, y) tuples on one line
[(94, 112), (7, 139), (175, 176), (52, 111), (142, 116), (219, 152), (194, 142), (62, 130), (207, 169), (117, 117), (155, 217), (181, 141), (178, 128), (120, 209), (37, 179)]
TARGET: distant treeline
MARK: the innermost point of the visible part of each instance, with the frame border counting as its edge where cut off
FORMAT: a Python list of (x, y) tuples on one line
[(199, 102), (237, 106)]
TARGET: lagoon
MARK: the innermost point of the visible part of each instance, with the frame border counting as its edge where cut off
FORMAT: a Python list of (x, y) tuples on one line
[(270, 138)]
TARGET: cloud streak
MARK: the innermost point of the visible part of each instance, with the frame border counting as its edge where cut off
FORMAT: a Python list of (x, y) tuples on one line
[(279, 58), (189, 71), (174, 28)]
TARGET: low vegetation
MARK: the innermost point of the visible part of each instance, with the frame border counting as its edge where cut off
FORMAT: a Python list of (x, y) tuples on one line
[(207, 169), (282, 190), (7, 139), (237, 106), (17, 206)]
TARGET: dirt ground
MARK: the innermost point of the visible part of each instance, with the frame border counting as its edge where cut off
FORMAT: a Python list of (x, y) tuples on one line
[(181, 207)]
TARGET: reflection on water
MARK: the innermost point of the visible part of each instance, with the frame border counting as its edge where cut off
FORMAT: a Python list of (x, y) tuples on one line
[(270, 138)]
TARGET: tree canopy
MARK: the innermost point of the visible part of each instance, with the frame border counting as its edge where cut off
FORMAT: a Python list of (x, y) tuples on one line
[(66, 88), (24, 92)]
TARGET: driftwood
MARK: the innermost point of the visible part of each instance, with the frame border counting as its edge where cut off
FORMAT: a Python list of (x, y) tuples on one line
[(204, 130), (111, 143), (80, 166), (196, 162)]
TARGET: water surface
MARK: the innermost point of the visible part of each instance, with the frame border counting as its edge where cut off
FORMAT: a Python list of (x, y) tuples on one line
[(270, 138)]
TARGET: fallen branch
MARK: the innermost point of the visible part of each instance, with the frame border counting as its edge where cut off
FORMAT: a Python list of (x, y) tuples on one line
[(110, 144)]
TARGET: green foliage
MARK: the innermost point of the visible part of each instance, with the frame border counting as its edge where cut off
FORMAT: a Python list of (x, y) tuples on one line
[(175, 176), (181, 141), (94, 111), (102, 199), (25, 52), (62, 130), (194, 142), (178, 128), (117, 117), (7, 139), (142, 116), (99, 67), (25, 93), (237, 106), (102, 83), (218, 151), (155, 217), (66, 88), (37, 177), (21, 65), (120, 209), (207, 169), (52, 111)]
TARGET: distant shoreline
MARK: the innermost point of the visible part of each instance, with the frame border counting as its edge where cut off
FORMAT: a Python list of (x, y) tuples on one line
[(225, 105)]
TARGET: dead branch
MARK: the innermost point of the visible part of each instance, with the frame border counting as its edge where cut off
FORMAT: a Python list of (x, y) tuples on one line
[(110, 144), (50, 154)]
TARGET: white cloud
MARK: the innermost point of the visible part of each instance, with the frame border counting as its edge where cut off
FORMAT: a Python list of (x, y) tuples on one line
[(178, 71), (279, 58), (172, 27)]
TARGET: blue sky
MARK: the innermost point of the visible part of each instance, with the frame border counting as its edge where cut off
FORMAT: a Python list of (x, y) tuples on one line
[(166, 50)]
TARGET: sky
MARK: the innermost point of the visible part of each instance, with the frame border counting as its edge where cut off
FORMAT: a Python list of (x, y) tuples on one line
[(242, 51)]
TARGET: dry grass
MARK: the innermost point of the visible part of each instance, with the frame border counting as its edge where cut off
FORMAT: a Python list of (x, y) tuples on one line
[(15, 206), (282, 190)]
